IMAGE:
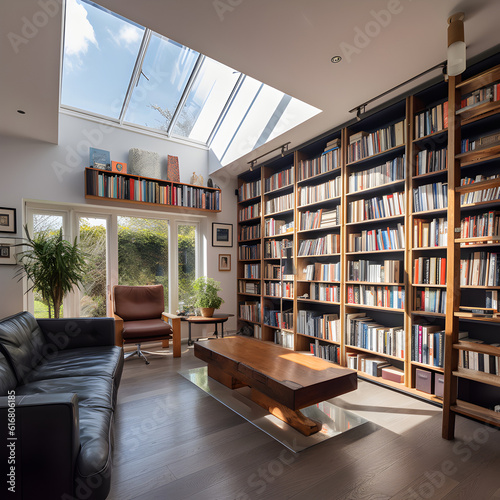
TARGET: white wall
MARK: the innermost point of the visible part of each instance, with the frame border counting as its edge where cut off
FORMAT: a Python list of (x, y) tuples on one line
[(40, 171)]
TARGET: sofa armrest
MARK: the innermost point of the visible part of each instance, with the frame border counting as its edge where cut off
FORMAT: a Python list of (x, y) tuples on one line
[(72, 333), (176, 331), (40, 439), (118, 330)]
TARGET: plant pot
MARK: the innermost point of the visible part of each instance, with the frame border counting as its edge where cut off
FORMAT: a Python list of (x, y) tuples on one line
[(207, 312)]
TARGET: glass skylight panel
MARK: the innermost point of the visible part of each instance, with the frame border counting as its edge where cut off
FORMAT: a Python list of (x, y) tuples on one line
[(211, 90), (166, 70), (100, 50)]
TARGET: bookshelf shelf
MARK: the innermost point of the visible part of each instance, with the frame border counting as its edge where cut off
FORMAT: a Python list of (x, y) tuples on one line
[(321, 202), (478, 412), (429, 367), (320, 176), (372, 283), (380, 220), (428, 313), (318, 338), (432, 136), (377, 156), (382, 187), (377, 308), (430, 174), (400, 250), (375, 353), (313, 301), (485, 378)]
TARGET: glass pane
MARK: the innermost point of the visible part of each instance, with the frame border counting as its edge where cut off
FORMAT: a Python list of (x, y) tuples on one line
[(166, 70), (51, 225), (93, 290), (206, 100), (100, 50), (186, 238), (143, 252)]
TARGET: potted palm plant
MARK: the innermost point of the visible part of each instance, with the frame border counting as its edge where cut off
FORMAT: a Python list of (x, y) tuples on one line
[(52, 265), (205, 295)]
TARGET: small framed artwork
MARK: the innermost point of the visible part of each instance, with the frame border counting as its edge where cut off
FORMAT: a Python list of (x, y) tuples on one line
[(224, 262), (7, 220), (119, 166), (222, 235), (100, 158), (7, 251)]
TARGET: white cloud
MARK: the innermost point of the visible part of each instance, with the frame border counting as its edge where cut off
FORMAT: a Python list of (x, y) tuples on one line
[(127, 36), (79, 32)]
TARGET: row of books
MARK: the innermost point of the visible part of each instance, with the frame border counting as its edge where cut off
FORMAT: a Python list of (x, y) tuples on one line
[(324, 292), (325, 351), (246, 252), (257, 332), (478, 361), (279, 180), (272, 271), (377, 239), (284, 339), (249, 212), (389, 205), (485, 224), (250, 310), (322, 272), (148, 191), (322, 326), (367, 364), (328, 161), (320, 192), (484, 142), (279, 204), (274, 227), (249, 190), (427, 344), (390, 171), (430, 233), (320, 219), (430, 197), (362, 331), (431, 120), (429, 271), (249, 287), (251, 271), (324, 245), (277, 289), (363, 144), (480, 96), (272, 248), (431, 161), (480, 269), (274, 317), (249, 232), (430, 300), (491, 300), (489, 194), (388, 271), (391, 296)]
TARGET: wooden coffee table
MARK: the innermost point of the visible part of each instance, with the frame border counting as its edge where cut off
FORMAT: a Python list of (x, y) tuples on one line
[(281, 381)]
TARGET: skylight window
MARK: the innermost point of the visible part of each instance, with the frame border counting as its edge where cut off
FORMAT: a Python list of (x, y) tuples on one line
[(117, 69)]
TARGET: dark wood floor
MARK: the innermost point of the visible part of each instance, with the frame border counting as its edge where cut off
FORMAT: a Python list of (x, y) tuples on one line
[(173, 441)]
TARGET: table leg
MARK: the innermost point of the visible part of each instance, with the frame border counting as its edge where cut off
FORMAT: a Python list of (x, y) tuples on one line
[(216, 333), (222, 330), (190, 342)]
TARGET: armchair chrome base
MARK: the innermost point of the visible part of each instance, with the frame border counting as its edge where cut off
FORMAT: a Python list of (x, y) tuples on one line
[(137, 352)]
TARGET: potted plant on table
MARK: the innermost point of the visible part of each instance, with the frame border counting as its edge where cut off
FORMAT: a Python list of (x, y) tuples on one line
[(205, 295)]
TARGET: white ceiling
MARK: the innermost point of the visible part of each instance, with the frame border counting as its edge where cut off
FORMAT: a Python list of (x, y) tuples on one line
[(287, 44)]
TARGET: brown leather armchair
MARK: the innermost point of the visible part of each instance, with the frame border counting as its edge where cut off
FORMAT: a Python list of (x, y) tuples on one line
[(139, 317)]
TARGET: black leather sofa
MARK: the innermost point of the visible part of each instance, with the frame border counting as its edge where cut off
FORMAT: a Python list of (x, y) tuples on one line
[(58, 387)]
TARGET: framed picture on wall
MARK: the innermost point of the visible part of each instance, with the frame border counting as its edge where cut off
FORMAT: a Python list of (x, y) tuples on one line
[(222, 235), (224, 262), (7, 251), (7, 220)]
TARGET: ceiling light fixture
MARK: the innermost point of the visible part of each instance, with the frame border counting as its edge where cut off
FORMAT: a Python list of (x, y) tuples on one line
[(21, 112), (283, 147), (456, 44), (336, 59)]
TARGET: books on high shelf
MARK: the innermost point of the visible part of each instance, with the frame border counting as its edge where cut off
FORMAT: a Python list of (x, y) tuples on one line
[(428, 161), (279, 180), (430, 197), (489, 194), (329, 352), (324, 245), (249, 232), (480, 96), (377, 239), (246, 252), (320, 192), (430, 300), (363, 332), (391, 296), (251, 271), (279, 204), (314, 324), (427, 344), (390, 171), (431, 120), (252, 287), (319, 219), (387, 271), (379, 207), (430, 232), (275, 227), (272, 248), (249, 212), (322, 272), (485, 224), (328, 161), (429, 271), (363, 144), (324, 292), (249, 190), (480, 269)]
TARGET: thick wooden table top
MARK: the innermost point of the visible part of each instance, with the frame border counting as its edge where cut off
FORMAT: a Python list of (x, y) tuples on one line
[(293, 379), (216, 318)]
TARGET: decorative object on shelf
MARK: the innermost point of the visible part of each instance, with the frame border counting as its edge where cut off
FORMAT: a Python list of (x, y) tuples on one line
[(7, 220), (222, 235), (212, 184), (196, 180), (7, 251), (456, 45), (100, 158), (144, 163), (119, 166), (173, 169), (224, 262), (206, 296)]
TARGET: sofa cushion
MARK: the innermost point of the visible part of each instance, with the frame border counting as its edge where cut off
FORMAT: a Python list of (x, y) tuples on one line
[(22, 343), (148, 328), (8, 380)]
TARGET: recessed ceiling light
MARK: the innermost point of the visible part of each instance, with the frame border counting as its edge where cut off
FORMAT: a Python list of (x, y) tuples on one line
[(21, 112), (336, 59)]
